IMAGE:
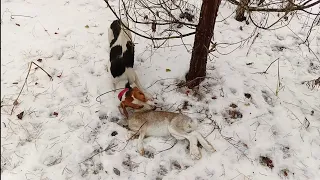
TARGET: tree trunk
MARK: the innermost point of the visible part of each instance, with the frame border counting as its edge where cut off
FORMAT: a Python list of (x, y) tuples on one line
[(241, 10), (204, 33)]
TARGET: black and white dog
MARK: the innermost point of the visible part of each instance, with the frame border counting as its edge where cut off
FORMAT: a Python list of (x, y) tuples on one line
[(122, 55)]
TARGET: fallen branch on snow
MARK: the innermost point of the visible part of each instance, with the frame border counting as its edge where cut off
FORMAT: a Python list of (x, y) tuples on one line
[(15, 102)]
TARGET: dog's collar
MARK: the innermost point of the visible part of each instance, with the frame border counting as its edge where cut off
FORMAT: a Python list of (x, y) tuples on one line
[(120, 95)]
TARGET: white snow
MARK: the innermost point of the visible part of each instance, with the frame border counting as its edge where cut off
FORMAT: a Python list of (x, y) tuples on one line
[(43, 145)]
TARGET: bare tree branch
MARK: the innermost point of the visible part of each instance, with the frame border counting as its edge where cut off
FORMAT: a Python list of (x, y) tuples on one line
[(151, 38), (295, 7)]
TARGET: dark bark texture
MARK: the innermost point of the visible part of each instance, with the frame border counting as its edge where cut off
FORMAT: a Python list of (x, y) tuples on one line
[(204, 33), (241, 10)]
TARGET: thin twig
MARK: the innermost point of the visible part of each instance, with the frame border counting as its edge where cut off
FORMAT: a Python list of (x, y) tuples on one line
[(189, 82), (285, 9), (254, 39), (304, 43), (224, 137), (158, 81), (18, 15), (106, 93), (176, 141), (15, 102), (43, 70), (265, 72), (278, 83), (133, 136), (110, 146)]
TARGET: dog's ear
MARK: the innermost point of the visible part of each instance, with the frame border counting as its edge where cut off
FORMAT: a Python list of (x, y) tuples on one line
[(123, 106), (139, 95), (127, 102)]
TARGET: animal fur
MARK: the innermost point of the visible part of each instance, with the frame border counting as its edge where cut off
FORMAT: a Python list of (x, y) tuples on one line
[(161, 123)]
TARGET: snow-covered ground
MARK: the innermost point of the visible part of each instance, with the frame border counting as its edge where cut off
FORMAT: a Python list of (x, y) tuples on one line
[(64, 129)]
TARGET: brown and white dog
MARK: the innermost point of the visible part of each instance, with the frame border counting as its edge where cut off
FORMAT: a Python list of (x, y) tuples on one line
[(148, 122), (134, 98)]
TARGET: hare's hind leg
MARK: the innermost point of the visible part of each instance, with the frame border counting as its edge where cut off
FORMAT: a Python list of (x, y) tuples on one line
[(179, 134), (203, 141), (140, 140)]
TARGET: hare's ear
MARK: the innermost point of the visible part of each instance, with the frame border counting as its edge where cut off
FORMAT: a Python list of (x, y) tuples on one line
[(123, 106)]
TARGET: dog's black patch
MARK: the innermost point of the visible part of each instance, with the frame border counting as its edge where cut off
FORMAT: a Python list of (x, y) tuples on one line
[(116, 28), (117, 67), (120, 58), (128, 55), (119, 63), (115, 53)]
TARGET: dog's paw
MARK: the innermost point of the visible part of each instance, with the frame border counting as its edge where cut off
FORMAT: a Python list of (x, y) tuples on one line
[(148, 96), (195, 154), (141, 151), (211, 149)]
